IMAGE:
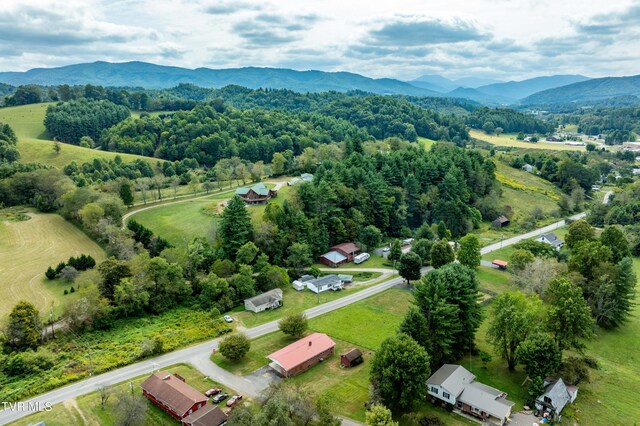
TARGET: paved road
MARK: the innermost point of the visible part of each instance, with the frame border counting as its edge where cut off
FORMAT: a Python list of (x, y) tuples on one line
[(198, 355)]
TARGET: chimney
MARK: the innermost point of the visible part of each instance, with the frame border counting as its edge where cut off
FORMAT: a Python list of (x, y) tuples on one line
[(310, 342), (167, 377)]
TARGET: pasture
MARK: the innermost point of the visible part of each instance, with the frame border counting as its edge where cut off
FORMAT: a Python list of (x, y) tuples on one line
[(36, 147), (27, 248), (509, 140)]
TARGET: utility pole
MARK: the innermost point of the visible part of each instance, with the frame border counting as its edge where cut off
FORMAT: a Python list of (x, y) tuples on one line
[(53, 332)]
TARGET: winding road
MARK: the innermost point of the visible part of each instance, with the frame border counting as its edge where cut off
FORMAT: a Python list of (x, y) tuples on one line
[(198, 355)]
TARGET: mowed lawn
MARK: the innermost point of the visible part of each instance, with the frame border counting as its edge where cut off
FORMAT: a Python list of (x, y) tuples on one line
[(509, 140), (87, 409), (35, 146), (28, 248)]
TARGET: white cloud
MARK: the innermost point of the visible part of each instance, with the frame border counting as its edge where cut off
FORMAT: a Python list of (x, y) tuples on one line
[(405, 38)]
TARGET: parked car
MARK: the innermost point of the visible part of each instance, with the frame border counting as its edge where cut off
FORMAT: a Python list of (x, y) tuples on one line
[(227, 318), (212, 391), (220, 397), (235, 398)]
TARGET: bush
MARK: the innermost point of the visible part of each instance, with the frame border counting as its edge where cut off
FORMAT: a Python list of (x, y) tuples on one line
[(51, 273), (235, 346), (69, 274), (294, 325)]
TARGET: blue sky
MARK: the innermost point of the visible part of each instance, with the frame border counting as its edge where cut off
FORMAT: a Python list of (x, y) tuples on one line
[(503, 39)]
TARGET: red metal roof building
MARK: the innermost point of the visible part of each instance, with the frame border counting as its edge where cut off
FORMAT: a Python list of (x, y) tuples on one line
[(500, 263), (209, 415), (349, 250), (173, 395), (301, 355)]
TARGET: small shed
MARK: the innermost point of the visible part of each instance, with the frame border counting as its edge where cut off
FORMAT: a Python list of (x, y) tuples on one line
[(528, 168), (301, 283), (351, 358), (501, 222), (271, 299), (500, 264)]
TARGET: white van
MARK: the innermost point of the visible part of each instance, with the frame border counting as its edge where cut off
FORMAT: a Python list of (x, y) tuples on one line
[(361, 258)]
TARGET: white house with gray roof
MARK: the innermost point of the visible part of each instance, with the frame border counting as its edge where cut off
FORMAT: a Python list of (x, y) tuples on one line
[(455, 385), (328, 282), (269, 300), (551, 239)]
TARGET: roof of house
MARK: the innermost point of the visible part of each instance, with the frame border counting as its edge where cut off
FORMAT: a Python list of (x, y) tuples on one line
[(346, 248), (334, 256), (172, 392), (345, 278), (306, 176), (552, 239), (451, 377), (354, 353), (266, 297), (326, 280), (486, 398), (209, 415), (500, 262), (259, 188), (306, 278), (502, 219), (558, 393), (302, 350)]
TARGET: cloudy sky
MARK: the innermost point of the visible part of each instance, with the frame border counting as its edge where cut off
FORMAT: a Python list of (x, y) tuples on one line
[(504, 39)]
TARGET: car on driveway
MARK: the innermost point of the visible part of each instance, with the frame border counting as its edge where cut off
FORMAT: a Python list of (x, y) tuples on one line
[(227, 318), (233, 400), (220, 397), (212, 391)]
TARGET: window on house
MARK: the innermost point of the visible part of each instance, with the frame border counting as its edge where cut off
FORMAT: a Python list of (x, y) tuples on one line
[(434, 389), (547, 400), (446, 395)]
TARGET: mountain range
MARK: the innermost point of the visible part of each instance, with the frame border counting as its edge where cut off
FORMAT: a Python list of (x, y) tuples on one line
[(538, 90)]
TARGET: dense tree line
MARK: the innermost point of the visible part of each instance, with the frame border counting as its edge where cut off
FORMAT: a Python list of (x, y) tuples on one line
[(509, 120), (102, 170), (618, 124), (70, 121), (207, 134), (8, 151)]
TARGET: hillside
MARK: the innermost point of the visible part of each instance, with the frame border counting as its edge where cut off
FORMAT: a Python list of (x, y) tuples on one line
[(524, 88), (590, 90), (34, 146), (151, 76)]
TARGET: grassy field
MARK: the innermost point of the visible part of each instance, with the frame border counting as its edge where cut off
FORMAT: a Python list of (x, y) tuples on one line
[(509, 140), (87, 409), (27, 248), (36, 147), (426, 142)]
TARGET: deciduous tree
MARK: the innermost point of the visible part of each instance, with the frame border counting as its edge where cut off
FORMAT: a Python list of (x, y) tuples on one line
[(24, 327), (540, 355), (295, 325), (469, 253), (569, 317), (235, 347), (441, 254), (409, 267)]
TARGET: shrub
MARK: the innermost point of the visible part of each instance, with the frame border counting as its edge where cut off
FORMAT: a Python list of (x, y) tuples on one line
[(51, 273), (294, 325), (235, 346), (69, 274)]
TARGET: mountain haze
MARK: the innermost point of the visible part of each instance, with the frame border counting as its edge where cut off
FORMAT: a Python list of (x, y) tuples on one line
[(151, 76), (524, 88), (590, 90)]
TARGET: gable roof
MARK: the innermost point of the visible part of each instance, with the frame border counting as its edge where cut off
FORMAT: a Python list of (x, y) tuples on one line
[(500, 262), (302, 350), (501, 219), (352, 354), (334, 256), (172, 392), (487, 399), (266, 297), (452, 378), (259, 188), (346, 248), (209, 415), (552, 239), (558, 393)]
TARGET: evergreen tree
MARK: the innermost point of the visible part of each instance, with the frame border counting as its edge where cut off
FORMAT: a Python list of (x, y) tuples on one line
[(415, 326), (615, 239), (235, 226), (125, 193), (469, 253)]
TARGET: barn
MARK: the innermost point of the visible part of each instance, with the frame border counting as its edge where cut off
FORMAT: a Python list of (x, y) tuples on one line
[(351, 358), (271, 299), (301, 355), (173, 395)]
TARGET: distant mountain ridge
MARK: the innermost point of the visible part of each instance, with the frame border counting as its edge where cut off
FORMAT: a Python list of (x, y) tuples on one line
[(590, 90), (152, 76)]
